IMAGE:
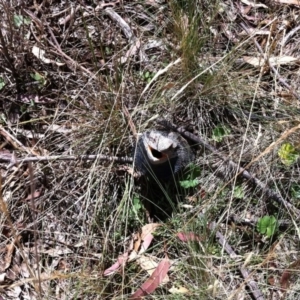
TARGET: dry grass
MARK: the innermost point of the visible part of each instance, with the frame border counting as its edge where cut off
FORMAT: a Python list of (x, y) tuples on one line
[(64, 222)]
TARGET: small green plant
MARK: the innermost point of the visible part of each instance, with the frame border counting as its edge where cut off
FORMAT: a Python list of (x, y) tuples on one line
[(2, 83), (191, 177), (220, 132), (39, 78), (267, 225), (147, 76), (238, 192), (108, 50), (3, 119), (136, 208), (288, 154), (19, 20), (295, 191)]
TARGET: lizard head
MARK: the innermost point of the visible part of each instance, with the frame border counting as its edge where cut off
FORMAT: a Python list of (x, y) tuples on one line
[(159, 148)]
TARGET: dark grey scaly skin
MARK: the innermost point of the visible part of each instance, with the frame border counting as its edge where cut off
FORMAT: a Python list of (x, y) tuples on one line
[(183, 156)]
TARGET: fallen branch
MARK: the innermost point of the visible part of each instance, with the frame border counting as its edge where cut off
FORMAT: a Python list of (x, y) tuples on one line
[(257, 294), (241, 171), (12, 160)]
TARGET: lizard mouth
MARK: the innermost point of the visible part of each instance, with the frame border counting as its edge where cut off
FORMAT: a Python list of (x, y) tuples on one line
[(157, 156), (156, 153)]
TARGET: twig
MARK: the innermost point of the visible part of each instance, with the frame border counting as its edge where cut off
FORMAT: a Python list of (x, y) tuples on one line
[(124, 26), (282, 224), (35, 228), (65, 20), (160, 72), (13, 141), (289, 35), (13, 161), (130, 121), (241, 171), (257, 294), (133, 40), (281, 80)]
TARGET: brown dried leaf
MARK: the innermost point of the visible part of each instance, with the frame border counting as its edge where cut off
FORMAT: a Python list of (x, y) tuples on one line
[(291, 2), (8, 257), (35, 195), (24, 270), (133, 255), (253, 4), (152, 2), (154, 281), (149, 265), (134, 244), (63, 265), (14, 292), (130, 255), (137, 241), (149, 228), (253, 31), (147, 236), (2, 277), (179, 290), (122, 259), (13, 272), (101, 6), (56, 252), (146, 243), (29, 98), (40, 54), (188, 236), (274, 61), (271, 280), (287, 274), (131, 52)]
